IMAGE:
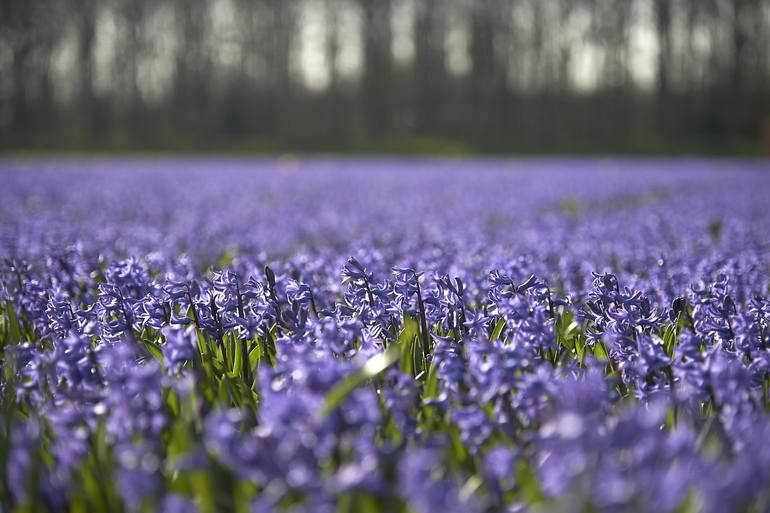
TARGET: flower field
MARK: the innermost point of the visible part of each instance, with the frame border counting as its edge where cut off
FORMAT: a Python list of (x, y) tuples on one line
[(384, 336)]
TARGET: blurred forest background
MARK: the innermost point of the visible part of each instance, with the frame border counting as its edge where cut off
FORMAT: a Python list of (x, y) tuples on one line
[(669, 76)]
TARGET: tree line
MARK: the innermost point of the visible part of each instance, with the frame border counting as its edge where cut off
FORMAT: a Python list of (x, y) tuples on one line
[(488, 75)]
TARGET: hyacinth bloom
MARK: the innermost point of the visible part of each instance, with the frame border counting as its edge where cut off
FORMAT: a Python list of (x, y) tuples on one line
[(384, 336)]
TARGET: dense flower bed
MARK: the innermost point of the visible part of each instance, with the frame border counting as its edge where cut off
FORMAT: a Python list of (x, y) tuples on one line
[(384, 336)]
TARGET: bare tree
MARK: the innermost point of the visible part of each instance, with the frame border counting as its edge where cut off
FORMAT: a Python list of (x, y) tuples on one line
[(540, 74), (377, 82)]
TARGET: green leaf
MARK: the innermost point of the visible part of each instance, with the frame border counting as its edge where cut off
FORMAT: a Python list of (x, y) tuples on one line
[(529, 485), (256, 354), (499, 327), (153, 348), (570, 207), (715, 229), (371, 369), (13, 326), (407, 340), (580, 348), (430, 388), (471, 486), (601, 352), (226, 259), (669, 334), (237, 358)]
